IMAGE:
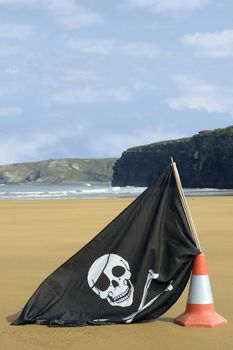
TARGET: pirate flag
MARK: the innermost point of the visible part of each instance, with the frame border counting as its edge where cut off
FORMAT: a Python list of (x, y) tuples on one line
[(133, 270)]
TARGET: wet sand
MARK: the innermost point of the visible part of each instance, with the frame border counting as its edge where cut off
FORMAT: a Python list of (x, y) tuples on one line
[(38, 236)]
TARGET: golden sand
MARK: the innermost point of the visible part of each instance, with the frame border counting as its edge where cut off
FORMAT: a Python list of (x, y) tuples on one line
[(38, 236)]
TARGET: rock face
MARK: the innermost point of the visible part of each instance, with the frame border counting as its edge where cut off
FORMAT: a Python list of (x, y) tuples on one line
[(204, 160), (33, 175)]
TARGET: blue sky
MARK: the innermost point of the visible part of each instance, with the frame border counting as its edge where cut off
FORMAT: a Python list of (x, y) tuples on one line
[(88, 79)]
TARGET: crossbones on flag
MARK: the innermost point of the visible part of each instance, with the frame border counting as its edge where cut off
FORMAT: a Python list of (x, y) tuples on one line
[(133, 270)]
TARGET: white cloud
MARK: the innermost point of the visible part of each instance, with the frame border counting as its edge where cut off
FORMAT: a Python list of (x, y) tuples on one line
[(107, 47), (198, 95), (10, 88), (10, 111), (8, 50), (67, 13), (18, 2), (215, 44), (10, 31), (91, 95), (82, 75), (12, 70), (170, 6), (117, 142), (66, 77), (137, 49), (35, 146), (72, 16), (139, 85), (89, 45)]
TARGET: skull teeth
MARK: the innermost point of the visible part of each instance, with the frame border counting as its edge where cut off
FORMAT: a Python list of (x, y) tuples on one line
[(122, 297)]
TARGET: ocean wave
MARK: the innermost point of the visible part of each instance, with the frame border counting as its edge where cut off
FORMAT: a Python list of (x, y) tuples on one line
[(80, 191), (88, 191)]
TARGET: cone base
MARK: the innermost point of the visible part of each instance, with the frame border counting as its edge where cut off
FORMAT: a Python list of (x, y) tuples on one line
[(200, 316)]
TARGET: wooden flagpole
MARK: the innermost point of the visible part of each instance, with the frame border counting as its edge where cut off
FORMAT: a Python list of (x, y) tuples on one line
[(185, 205)]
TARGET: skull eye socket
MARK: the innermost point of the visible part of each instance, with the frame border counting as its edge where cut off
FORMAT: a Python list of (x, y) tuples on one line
[(118, 271), (102, 283)]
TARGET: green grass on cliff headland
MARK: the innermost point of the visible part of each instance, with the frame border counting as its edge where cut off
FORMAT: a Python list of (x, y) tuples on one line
[(70, 170), (202, 135)]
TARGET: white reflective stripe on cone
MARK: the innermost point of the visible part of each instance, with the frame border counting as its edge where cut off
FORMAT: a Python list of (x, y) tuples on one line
[(200, 290)]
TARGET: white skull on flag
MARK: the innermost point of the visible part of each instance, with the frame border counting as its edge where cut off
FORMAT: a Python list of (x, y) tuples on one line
[(109, 277)]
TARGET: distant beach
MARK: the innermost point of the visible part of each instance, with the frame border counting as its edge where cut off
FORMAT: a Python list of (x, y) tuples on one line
[(88, 191), (38, 236)]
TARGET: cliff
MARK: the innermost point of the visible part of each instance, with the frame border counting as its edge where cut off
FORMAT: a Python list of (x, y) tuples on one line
[(204, 160), (58, 171)]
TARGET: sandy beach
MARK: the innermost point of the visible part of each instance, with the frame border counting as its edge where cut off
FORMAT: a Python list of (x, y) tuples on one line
[(38, 236)]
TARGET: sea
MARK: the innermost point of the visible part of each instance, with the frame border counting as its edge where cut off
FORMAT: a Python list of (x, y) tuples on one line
[(87, 191)]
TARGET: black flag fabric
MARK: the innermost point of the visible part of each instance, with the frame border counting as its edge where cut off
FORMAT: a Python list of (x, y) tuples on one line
[(133, 270)]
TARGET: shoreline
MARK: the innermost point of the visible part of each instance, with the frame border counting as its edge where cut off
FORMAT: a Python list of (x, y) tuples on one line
[(90, 191)]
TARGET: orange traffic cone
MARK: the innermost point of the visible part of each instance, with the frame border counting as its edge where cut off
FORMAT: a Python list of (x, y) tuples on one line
[(200, 311)]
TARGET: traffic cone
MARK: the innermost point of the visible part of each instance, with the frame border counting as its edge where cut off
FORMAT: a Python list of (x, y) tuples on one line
[(200, 311)]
